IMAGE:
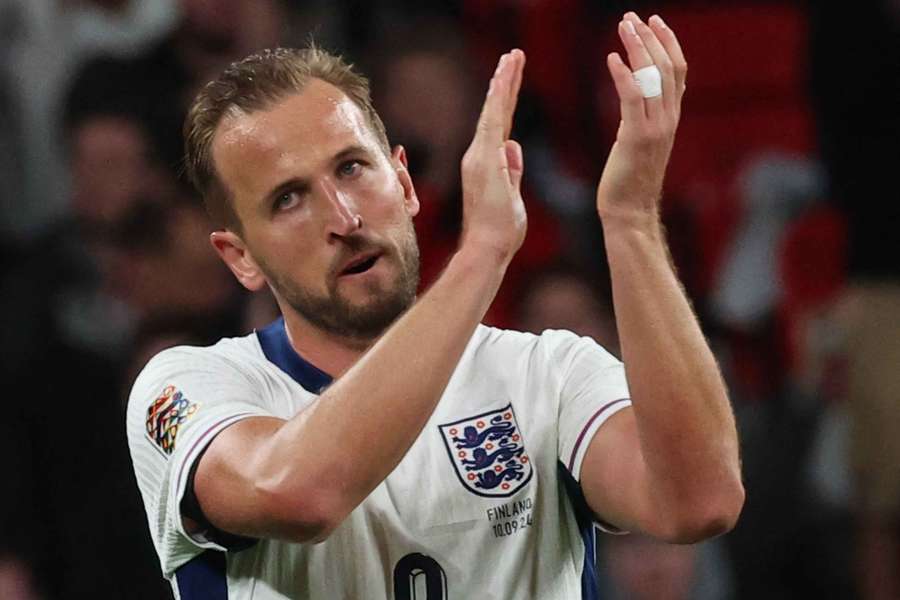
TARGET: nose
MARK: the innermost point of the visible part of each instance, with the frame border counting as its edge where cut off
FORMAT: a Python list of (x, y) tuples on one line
[(343, 216)]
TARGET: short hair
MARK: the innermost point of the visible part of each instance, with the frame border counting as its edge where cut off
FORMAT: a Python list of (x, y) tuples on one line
[(105, 88), (256, 83)]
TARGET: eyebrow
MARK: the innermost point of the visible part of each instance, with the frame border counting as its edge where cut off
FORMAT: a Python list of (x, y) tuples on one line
[(302, 184), (350, 151)]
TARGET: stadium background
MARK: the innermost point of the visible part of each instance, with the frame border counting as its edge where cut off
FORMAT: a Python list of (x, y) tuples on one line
[(778, 203)]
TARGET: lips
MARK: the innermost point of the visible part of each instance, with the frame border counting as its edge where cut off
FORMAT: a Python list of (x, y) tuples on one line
[(360, 263)]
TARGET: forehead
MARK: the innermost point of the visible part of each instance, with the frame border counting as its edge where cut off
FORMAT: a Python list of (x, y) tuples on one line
[(111, 133), (291, 139)]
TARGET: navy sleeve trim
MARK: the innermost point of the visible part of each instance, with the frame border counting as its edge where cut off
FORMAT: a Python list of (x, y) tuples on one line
[(203, 577), (584, 517)]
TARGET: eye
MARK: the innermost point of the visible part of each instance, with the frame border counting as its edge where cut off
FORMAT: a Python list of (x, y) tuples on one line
[(286, 200), (350, 168)]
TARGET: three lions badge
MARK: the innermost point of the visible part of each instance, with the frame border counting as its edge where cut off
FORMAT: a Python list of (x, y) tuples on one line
[(488, 453)]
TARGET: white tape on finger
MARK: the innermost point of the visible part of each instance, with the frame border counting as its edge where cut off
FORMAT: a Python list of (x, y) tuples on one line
[(649, 80)]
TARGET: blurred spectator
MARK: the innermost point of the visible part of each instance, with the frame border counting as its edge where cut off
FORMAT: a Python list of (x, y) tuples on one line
[(115, 174), (426, 72), (641, 568), (775, 190), (873, 351), (564, 297), (210, 35), (134, 245), (781, 274), (133, 249), (45, 43), (858, 132)]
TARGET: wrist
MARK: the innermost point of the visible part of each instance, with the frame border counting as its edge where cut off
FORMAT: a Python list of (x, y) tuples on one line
[(644, 235), (472, 275), (484, 250), (639, 223), (473, 259)]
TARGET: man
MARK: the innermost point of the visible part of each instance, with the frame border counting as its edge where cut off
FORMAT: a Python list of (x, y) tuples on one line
[(373, 445)]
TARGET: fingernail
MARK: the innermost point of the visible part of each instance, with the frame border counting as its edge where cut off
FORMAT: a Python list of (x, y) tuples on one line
[(657, 20), (629, 27)]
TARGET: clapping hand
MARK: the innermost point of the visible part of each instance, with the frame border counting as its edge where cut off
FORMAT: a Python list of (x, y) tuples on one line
[(631, 184), (493, 211)]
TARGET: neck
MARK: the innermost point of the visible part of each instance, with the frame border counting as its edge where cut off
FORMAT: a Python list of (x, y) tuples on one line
[(328, 352)]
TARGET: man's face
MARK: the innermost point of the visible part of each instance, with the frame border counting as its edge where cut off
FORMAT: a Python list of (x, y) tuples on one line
[(111, 170), (303, 175)]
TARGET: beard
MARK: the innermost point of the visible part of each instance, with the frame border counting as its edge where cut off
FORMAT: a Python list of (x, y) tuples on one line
[(364, 321)]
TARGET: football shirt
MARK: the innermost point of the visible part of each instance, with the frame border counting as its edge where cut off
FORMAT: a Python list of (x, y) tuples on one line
[(486, 503)]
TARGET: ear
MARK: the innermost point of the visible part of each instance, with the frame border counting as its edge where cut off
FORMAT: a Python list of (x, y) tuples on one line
[(398, 161), (234, 252)]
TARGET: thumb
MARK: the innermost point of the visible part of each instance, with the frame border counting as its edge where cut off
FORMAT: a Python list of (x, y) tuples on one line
[(515, 162)]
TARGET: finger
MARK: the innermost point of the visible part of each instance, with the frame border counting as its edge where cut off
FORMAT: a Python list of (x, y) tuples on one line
[(667, 38), (631, 100), (639, 56), (491, 122), (662, 61), (516, 163), (518, 66)]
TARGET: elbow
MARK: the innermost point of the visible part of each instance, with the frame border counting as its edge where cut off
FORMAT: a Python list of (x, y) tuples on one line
[(711, 517), (313, 524), (298, 503), (306, 515)]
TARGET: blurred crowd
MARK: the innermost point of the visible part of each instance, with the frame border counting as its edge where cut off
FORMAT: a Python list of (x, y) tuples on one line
[(781, 217)]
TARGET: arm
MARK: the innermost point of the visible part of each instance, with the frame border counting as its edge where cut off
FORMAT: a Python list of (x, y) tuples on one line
[(670, 466), (299, 479)]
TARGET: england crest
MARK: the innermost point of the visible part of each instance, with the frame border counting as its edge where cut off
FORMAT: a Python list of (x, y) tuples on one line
[(488, 453)]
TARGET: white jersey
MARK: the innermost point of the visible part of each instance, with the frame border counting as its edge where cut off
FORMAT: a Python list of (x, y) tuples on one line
[(484, 505)]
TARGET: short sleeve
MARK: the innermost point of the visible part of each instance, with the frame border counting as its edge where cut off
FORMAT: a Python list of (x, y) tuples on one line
[(181, 400), (592, 389)]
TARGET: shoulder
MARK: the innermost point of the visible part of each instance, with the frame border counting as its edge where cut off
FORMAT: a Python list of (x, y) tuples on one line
[(239, 353), (555, 342), (509, 350), (556, 350), (228, 362)]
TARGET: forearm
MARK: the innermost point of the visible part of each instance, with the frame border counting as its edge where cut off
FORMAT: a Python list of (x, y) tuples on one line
[(685, 424), (357, 432)]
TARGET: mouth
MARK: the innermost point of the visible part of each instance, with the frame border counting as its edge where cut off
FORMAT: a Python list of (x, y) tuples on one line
[(360, 264)]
